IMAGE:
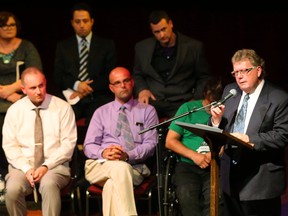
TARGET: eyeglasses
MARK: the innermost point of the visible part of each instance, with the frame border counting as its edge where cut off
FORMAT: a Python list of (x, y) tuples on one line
[(5, 27), (119, 83), (243, 72)]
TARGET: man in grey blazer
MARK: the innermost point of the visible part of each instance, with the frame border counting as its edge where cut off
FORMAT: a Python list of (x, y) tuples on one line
[(169, 68), (93, 92), (253, 180)]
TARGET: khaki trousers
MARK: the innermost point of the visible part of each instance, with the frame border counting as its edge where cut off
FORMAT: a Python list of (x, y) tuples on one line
[(17, 187), (117, 179)]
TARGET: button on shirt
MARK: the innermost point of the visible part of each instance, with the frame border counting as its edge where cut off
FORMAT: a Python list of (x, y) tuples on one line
[(101, 131)]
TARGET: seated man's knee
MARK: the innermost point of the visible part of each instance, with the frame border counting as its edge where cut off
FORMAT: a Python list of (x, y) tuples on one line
[(14, 191)]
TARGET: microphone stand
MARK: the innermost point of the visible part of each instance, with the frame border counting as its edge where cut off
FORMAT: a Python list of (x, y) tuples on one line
[(159, 152)]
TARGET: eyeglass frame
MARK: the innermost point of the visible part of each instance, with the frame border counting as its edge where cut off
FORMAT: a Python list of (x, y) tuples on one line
[(119, 83), (243, 72), (5, 27)]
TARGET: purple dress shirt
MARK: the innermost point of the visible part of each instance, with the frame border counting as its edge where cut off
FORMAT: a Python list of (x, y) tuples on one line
[(102, 127)]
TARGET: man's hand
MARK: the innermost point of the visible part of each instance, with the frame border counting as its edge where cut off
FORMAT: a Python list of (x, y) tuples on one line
[(29, 175), (145, 95), (202, 160), (243, 137), (84, 88), (39, 173), (114, 152), (217, 113)]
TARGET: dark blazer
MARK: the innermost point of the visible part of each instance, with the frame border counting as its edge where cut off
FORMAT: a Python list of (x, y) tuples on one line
[(102, 59), (189, 73), (260, 173)]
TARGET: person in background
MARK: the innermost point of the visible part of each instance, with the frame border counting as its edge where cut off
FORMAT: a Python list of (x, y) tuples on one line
[(15, 54), (253, 180), (169, 68), (113, 164), (192, 171), (53, 173), (92, 86)]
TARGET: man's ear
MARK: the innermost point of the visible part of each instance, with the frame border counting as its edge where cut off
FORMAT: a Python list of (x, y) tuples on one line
[(23, 89)]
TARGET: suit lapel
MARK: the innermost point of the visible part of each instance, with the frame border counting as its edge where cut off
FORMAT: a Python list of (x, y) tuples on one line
[(75, 54), (149, 54), (180, 55), (259, 111)]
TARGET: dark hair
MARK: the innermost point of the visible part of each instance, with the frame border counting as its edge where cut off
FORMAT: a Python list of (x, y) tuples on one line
[(82, 6), (156, 16), (213, 89), (4, 16)]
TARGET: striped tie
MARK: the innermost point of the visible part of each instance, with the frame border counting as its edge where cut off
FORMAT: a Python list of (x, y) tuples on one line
[(124, 127), (83, 74)]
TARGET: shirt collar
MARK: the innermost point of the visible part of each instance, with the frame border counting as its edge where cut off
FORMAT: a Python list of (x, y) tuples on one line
[(128, 105), (88, 38), (44, 105)]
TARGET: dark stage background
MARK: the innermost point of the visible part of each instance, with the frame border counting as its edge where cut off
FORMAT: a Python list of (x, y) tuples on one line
[(223, 30)]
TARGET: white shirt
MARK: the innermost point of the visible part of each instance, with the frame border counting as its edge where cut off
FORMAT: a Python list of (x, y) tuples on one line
[(253, 97), (59, 128)]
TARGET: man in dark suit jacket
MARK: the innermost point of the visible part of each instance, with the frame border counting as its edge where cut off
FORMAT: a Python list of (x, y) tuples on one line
[(169, 68), (102, 58), (253, 180)]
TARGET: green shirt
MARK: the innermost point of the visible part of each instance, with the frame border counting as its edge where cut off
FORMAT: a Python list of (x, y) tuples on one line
[(189, 139)]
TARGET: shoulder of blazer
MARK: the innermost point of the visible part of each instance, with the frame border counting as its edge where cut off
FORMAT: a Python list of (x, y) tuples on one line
[(100, 40), (148, 42)]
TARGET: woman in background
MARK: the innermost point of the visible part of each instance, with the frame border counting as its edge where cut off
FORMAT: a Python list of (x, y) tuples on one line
[(15, 54)]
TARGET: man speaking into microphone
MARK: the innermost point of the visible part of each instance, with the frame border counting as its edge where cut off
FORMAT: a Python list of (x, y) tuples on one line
[(253, 180)]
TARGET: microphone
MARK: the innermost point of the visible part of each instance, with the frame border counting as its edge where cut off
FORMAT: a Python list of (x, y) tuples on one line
[(232, 93)]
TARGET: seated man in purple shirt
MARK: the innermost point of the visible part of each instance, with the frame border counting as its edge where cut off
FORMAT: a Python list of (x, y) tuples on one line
[(112, 164)]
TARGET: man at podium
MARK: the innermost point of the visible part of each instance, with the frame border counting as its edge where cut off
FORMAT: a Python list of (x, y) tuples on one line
[(192, 172), (253, 180)]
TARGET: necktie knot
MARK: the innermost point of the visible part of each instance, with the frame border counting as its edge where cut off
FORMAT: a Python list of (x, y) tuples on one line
[(37, 110), (83, 42), (246, 97)]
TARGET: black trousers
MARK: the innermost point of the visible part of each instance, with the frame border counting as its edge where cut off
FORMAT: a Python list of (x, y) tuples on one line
[(192, 185), (267, 207)]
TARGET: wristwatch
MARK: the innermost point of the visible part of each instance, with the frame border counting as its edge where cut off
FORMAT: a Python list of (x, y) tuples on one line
[(127, 158)]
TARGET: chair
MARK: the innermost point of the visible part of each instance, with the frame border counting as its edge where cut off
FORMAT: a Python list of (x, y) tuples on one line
[(141, 192), (81, 130), (72, 190)]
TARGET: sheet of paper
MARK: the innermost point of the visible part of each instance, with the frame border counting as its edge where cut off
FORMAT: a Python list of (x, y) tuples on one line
[(18, 69), (35, 194), (67, 93)]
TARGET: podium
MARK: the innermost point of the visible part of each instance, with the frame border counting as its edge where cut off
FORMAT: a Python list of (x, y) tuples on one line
[(215, 138)]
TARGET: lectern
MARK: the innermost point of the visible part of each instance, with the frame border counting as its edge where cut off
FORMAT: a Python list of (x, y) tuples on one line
[(215, 138)]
